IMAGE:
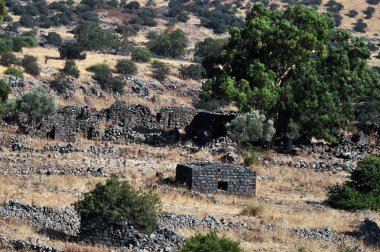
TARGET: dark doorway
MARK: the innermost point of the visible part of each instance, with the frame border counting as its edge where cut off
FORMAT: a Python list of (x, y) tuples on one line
[(51, 134), (222, 185), (90, 133)]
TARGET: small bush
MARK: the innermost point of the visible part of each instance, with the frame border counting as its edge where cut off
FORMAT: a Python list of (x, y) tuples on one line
[(61, 83), (30, 65), (141, 54), (133, 5), (352, 13), (210, 242), (362, 191), (360, 26), (250, 127), (71, 50), (195, 72), (160, 70), (99, 68), (14, 72), (71, 69), (7, 59), (54, 39), (117, 201), (5, 90), (369, 12), (373, 2), (126, 67)]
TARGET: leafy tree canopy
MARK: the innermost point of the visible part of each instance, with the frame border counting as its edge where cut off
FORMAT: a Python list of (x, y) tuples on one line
[(172, 43), (295, 68)]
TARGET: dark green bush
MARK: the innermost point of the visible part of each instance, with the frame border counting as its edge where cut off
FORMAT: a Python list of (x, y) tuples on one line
[(208, 49), (7, 59), (194, 71), (91, 37), (61, 83), (103, 75), (133, 5), (27, 20), (369, 12), (5, 90), (14, 71), (362, 191), (30, 65), (360, 26), (160, 70), (99, 68), (172, 43), (373, 2), (126, 67), (210, 242), (141, 54), (118, 201), (71, 69), (352, 13), (71, 50), (54, 39)]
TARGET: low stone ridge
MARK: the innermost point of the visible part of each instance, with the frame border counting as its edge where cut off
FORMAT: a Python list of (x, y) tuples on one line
[(61, 220), (21, 245), (96, 172), (187, 221), (210, 177)]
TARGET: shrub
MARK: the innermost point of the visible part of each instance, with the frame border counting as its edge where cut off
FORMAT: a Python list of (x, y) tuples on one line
[(61, 83), (36, 104), (369, 12), (92, 37), (71, 50), (172, 43), (352, 13), (30, 65), (14, 71), (133, 5), (54, 39), (126, 67), (360, 26), (195, 72), (145, 16), (160, 70), (71, 69), (210, 242), (373, 2), (141, 54), (208, 49), (7, 59), (27, 20), (5, 90), (250, 127), (118, 201), (362, 191), (99, 68)]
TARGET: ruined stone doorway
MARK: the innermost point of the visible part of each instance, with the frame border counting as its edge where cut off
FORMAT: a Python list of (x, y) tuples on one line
[(222, 185)]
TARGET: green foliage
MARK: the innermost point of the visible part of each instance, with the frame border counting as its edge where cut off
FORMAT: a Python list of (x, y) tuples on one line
[(30, 65), (5, 90), (294, 67), (71, 50), (92, 37), (160, 70), (3, 10), (194, 71), (54, 39), (71, 69), (99, 68), (118, 201), (35, 104), (172, 43), (126, 67), (360, 26), (141, 54), (14, 71), (250, 127), (362, 191), (210, 242), (7, 59), (208, 49), (61, 83)]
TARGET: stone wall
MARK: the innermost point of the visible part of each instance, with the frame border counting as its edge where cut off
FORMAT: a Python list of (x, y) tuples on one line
[(211, 177), (135, 123)]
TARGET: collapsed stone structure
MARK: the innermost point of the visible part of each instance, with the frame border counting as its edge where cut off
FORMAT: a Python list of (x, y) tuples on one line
[(210, 177), (136, 123)]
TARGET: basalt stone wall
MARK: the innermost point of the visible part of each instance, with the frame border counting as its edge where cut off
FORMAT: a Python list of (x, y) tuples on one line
[(135, 123), (210, 177)]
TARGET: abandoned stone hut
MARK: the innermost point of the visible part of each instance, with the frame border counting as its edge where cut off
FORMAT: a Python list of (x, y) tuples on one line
[(211, 177)]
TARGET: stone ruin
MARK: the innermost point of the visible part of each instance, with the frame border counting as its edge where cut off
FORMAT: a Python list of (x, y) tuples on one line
[(211, 177), (135, 123)]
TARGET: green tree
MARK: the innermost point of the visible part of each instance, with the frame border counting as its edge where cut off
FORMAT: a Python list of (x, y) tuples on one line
[(3, 10), (126, 67), (295, 68), (363, 189), (194, 71), (92, 37), (160, 70), (210, 242), (54, 39), (71, 50), (71, 69), (36, 104), (172, 43), (118, 201), (141, 54), (208, 49)]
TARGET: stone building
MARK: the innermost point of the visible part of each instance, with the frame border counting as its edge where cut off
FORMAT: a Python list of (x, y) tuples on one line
[(211, 177)]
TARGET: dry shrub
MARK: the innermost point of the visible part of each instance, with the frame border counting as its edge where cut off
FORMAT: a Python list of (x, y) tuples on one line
[(253, 210)]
